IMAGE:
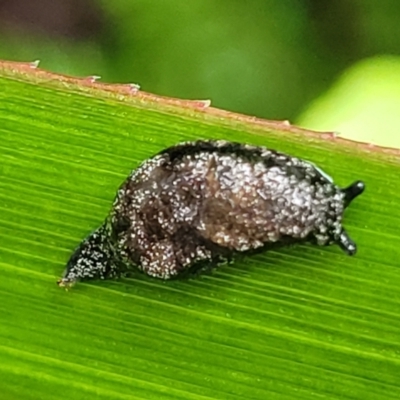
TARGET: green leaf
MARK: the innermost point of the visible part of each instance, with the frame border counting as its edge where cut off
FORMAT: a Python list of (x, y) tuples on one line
[(363, 104), (299, 323)]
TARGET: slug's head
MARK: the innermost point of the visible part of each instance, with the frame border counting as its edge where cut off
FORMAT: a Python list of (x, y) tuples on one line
[(91, 260), (343, 239)]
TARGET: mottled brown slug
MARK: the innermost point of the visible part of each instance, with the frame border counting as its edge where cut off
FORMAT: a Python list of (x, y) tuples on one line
[(198, 203)]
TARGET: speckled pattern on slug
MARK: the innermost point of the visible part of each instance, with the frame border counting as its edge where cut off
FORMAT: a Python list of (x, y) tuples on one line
[(204, 201)]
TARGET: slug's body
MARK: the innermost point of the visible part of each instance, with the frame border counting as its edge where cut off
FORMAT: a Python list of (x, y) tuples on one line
[(199, 203)]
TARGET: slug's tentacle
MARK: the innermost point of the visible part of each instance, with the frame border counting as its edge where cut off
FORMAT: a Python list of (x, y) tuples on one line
[(347, 244), (353, 191)]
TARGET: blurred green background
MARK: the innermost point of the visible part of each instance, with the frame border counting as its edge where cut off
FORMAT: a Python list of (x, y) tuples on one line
[(326, 65)]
